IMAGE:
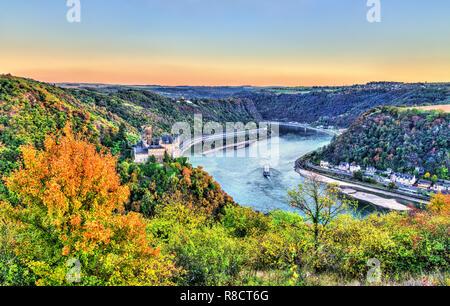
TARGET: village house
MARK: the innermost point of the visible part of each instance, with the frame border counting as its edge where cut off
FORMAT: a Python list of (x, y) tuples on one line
[(420, 170), (441, 187), (403, 179), (344, 166), (371, 171), (424, 184), (355, 168), (324, 164), (140, 155)]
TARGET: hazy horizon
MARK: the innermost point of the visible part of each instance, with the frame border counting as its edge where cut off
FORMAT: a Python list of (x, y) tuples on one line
[(221, 85)]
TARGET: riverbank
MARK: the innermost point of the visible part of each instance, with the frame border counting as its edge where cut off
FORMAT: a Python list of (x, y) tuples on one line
[(376, 196), (188, 144), (306, 126), (361, 193)]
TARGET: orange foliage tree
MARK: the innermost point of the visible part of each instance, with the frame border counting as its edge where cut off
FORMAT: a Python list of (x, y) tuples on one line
[(440, 204), (201, 192), (73, 210)]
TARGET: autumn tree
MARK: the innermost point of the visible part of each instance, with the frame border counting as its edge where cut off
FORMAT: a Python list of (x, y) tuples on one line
[(440, 204), (320, 203), (73, 210)]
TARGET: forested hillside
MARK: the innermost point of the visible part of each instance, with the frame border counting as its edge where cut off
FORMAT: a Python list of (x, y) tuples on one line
[(396, 138), (340, 106), (138, 107), (29, 110), (328, 105)]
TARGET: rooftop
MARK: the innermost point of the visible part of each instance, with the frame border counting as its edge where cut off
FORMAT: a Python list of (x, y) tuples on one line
[(139, 150), (167, 139), (155, 147)]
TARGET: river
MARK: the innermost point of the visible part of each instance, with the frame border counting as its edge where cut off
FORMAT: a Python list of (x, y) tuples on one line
[(241, 175)]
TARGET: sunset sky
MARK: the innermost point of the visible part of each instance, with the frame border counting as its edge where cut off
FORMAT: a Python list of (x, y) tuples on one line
[(226, 42)]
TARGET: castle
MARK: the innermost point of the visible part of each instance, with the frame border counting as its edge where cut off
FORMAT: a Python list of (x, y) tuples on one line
[(153, 146)]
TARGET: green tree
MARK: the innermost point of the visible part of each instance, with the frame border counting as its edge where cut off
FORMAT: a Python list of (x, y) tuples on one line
[(358, 175), (152, 159), (167, 158), (320, 203), (442, 172), (391, 186)]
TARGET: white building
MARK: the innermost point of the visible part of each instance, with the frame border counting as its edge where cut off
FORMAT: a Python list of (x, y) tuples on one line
[(404, 179), (424, 184), (371, 170), (355, 168), (324, 164), (344, 166), (440, 187)]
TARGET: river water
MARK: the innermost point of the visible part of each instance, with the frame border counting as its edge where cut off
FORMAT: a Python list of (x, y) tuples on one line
[(241, 175)]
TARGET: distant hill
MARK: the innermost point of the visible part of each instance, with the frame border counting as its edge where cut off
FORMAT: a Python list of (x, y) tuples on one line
[(340, 106), (400, 139), (321, 105), (188, 92)]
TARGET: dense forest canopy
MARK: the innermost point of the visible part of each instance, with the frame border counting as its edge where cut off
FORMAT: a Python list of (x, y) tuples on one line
[(396, 138)]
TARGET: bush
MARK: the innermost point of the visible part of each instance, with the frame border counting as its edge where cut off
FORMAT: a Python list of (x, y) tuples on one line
[(401, 243), (209, 256), (244, 221)]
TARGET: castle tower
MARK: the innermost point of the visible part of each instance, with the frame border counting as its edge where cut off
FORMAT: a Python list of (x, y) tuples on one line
[(147, 134)]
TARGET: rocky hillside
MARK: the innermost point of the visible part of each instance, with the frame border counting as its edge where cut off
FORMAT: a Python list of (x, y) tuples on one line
[(400, 139)]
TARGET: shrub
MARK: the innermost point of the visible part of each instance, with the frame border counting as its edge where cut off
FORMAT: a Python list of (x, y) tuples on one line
[(244, 221)]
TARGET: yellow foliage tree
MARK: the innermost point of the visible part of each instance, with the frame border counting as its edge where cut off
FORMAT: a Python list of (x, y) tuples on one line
[(440, 204)]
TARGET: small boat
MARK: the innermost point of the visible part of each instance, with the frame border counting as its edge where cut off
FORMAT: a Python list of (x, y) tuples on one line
[(266, 171)]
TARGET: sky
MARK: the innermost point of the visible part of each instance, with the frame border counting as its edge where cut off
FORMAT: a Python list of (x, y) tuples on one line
[(226, 42)]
